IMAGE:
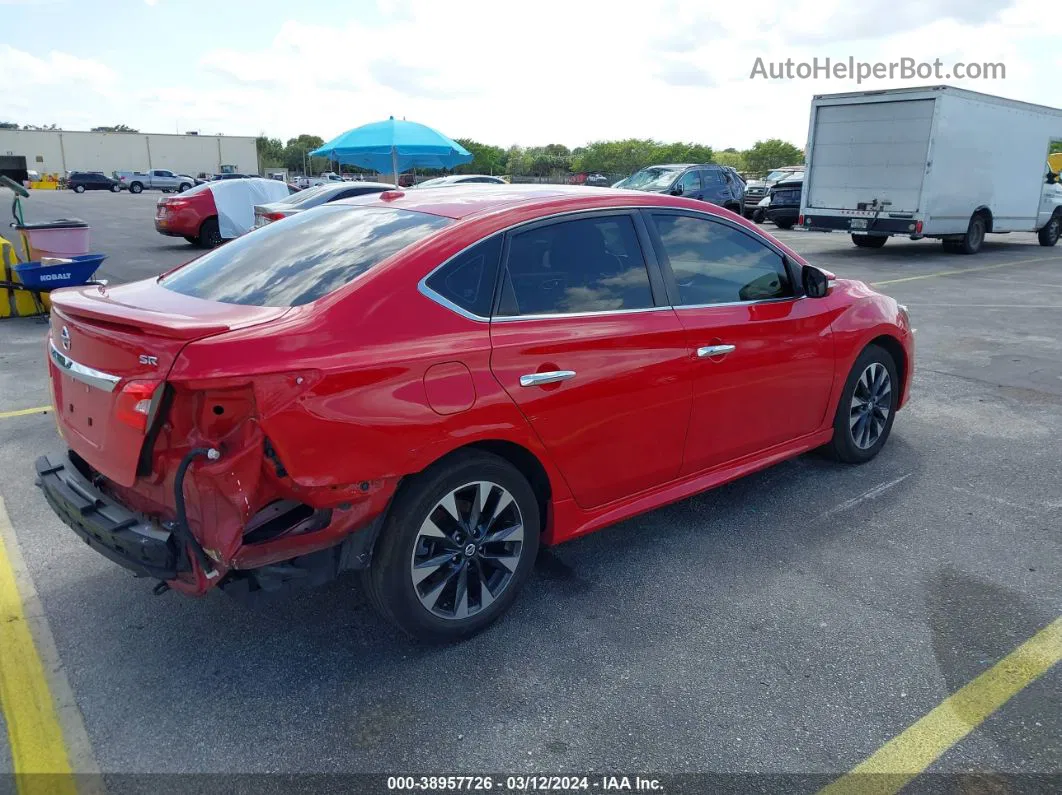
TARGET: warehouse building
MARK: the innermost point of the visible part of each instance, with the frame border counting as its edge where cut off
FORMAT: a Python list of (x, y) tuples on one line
[(59, 152)]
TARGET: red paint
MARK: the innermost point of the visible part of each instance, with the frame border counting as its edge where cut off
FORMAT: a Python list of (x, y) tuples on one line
[(182, 215), (375, 382), (449, 388)]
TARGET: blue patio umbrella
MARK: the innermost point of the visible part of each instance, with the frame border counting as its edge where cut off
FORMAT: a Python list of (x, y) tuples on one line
[(394, 145)]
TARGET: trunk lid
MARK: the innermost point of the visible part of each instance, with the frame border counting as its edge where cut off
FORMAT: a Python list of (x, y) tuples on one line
[(110, 350)]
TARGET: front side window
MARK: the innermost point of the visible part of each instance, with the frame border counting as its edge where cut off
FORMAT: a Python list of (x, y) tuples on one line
[(716, 264), (306, 257), (468, 279), (690, 182), (584, 265)]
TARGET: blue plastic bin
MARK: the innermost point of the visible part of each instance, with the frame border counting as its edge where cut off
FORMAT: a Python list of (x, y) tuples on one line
[(51, 277)]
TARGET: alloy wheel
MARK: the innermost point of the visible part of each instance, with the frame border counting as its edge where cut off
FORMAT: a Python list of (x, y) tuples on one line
[(871, 404), (467, 550)]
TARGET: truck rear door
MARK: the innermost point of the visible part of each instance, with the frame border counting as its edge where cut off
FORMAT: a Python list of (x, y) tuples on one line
[(866, 151)]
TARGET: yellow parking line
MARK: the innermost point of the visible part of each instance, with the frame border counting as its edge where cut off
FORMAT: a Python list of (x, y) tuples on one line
[(34, 734), (23, 412), (895, 764), (960, 272)]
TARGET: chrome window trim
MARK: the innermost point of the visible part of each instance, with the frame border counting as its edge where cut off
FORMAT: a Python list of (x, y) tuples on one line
[(83, 373), (431, 295), (562, 315), (783, 299)]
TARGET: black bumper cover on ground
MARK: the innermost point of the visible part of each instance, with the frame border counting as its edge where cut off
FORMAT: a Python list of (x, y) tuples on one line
[(105, 525)]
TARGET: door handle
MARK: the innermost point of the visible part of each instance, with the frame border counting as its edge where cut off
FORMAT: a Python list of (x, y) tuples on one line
[(552, 377), (714, 350)]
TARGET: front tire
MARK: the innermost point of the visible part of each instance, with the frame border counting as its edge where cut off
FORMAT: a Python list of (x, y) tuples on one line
[(183, 187), (869, 241), (784, 224), (115, 188), (867, 407), (1049, 235), (457, 545), (79, 189)]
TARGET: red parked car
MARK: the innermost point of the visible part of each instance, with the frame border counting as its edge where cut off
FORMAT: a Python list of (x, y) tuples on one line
[(209, 214), (426, 386)]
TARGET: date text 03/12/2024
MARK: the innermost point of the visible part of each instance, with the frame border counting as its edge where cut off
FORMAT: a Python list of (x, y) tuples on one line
[(419, 784)]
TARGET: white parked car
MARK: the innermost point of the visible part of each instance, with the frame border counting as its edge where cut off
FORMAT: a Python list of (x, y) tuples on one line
[(461, 179)]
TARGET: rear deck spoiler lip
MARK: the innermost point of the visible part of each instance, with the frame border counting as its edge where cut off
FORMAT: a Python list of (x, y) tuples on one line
[(74, 304)]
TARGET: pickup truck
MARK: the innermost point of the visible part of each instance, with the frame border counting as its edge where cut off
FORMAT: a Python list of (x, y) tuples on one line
[(156, 179)]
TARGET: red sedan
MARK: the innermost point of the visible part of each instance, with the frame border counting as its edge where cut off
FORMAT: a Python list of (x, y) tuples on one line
[(209, 214), (426, 386)]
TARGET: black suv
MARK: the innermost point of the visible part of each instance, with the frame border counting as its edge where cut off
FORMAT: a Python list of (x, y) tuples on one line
[(784, 209), (709, 182), (81, 181)]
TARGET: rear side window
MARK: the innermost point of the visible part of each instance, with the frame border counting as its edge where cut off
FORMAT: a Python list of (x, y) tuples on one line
[(302, 258), (711, 177), (587, 265), (468, 279)]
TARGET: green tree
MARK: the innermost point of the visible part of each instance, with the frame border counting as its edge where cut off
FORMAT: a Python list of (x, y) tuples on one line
[(295, 151), (118, 128), (270, 151), (732, 158), (486, 159), (1056, 146), (772, 153), (514, 160), (8, 125)]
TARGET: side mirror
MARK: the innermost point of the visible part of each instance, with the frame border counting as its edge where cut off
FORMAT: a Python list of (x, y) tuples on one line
[(1052, 178), (676, 191), (816, 285)]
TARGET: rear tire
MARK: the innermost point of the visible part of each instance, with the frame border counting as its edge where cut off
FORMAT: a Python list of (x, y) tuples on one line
[(115, 188), (1049, 235), (136, 187), (79, 189), (866, 408), (424, 579), (971, 242), (210, 234), (869, 241), (183, 187), (784, 224)]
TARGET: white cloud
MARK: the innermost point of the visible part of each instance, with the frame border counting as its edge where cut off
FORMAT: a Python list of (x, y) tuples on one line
[(555, 71)]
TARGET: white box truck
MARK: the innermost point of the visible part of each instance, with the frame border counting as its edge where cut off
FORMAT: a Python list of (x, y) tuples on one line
[(937, 162)]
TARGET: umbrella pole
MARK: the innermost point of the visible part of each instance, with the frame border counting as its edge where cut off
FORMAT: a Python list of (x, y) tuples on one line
[(394, 164)]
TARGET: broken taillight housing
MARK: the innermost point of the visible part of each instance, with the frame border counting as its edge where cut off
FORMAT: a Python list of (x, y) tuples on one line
[(136, 403)]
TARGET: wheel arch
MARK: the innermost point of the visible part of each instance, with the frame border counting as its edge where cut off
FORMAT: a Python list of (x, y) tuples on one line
[(899, 356), (986, 211), (524, 460)]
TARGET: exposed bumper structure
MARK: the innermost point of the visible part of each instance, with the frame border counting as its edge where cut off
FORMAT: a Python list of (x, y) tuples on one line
[(107, 526)]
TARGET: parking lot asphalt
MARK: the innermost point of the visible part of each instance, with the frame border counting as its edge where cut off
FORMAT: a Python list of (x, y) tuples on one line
[(789, 623)]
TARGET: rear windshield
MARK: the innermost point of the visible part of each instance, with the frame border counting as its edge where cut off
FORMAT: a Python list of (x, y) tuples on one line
[(302, 258)]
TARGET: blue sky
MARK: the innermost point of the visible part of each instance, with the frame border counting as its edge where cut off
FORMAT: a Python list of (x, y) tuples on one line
[(564, 71)]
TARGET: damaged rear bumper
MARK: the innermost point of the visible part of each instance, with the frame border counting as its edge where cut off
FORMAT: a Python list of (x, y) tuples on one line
[(106, 525)]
